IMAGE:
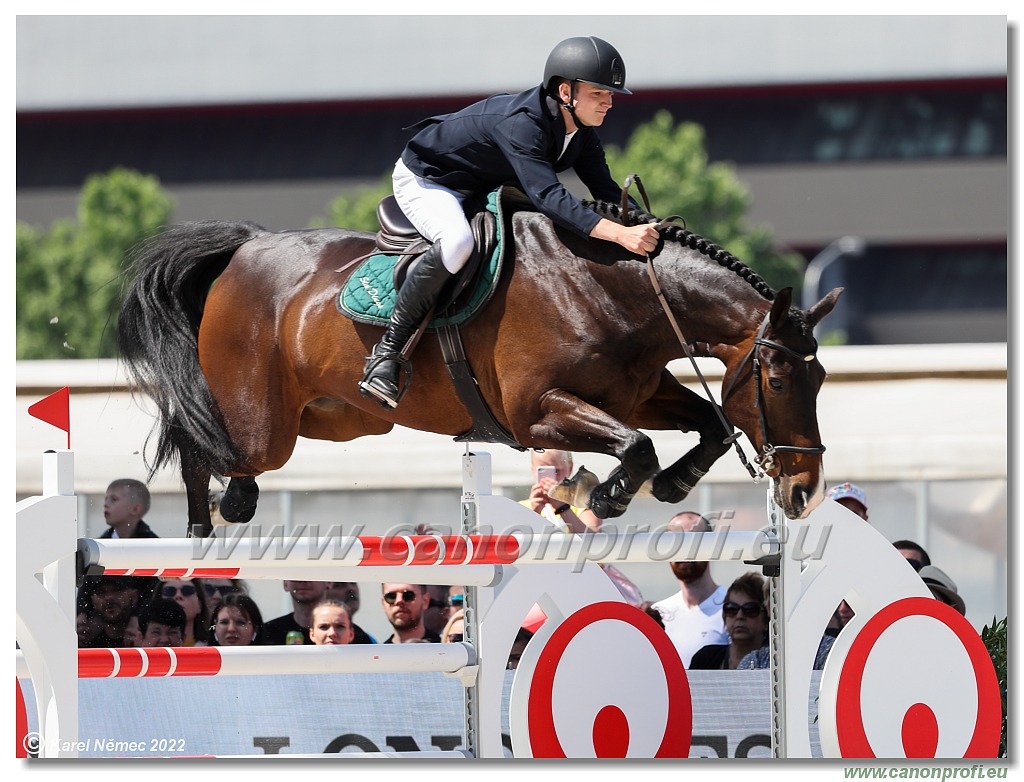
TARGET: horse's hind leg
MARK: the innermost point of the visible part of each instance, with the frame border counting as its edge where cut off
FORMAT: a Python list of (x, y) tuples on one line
[(639, 460), (197, 497), (257, 395), (238, 505)]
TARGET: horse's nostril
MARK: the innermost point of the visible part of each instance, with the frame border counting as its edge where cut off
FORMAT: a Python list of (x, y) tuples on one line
[(799, 498)]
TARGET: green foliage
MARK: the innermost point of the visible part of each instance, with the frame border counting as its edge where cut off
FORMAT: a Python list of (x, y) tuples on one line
[(357, 211), (994, 638), (68, 278), (835, 337), (673, 166)]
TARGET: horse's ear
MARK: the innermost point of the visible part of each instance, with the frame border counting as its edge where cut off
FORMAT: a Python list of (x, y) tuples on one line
[(780, 307), (823, 307)]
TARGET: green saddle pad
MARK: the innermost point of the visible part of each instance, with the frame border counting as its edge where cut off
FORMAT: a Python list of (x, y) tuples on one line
[(368, 295)]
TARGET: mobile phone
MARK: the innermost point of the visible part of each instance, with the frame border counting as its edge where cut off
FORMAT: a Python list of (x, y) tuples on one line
[(546, 472)]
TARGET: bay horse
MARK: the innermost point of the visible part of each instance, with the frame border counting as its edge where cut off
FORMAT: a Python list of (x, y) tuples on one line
[(234, 333)]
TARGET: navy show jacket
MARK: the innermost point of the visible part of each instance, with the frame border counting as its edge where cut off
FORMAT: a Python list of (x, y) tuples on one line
[(514, 139)]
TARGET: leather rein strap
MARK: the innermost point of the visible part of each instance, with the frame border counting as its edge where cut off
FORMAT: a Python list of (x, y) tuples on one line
[(765, 461)]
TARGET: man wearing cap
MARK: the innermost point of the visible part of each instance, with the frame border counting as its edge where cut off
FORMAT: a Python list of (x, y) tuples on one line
[(943, 588), (850, 496)]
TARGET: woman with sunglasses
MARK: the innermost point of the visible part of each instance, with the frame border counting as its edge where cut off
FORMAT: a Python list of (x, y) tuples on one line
[(190, 595), (217, 589), (746, 622)]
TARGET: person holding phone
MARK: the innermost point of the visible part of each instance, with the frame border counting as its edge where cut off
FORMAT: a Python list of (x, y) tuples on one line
[(550, 467)]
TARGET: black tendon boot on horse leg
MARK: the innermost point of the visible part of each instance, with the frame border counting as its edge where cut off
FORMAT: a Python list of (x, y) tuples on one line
[(238, 505), (416, 298)]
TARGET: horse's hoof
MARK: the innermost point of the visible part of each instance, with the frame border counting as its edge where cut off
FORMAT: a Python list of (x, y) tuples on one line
[(605, 506), (238, 506)]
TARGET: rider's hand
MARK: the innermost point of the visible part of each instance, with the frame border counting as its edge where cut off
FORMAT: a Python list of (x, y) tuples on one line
[(639, 239)]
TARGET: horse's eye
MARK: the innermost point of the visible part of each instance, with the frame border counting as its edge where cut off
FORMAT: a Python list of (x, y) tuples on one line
[(775, 383)]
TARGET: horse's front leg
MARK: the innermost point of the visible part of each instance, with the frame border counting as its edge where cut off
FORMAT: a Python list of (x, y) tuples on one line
[(571, 424), (674, 406)]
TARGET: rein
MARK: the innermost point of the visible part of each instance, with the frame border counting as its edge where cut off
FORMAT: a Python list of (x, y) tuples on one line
[(766, 460)]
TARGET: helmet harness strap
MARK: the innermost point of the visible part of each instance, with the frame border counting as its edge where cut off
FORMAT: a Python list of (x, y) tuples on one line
[(571, 105)]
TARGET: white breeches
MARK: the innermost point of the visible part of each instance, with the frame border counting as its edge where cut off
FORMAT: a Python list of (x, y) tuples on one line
[(437, 214)]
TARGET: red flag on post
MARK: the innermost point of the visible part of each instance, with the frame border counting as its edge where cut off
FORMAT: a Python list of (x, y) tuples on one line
[(55, 410)]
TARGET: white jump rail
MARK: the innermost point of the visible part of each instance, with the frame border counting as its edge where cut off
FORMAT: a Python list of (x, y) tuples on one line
[(450, 658), (471, 560)]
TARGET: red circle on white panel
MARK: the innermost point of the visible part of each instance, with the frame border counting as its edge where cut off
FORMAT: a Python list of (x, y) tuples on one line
[(918, 682), (609, 683)]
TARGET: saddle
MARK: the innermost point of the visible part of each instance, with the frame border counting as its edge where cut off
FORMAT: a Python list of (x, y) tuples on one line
[(397, 236), (466, 294)]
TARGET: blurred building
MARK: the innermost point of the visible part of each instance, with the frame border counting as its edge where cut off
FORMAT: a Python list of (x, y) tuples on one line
[(891, 130)]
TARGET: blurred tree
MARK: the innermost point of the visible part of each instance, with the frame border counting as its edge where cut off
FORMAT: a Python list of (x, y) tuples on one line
[(673, 166), (69, 278), (357, 210)]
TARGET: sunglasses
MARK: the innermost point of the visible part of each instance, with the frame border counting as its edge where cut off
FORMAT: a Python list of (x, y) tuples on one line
[(223, 589), (438, 604), (391, 597), (170, 591), (750, 609), (455, 638), (457, 601)]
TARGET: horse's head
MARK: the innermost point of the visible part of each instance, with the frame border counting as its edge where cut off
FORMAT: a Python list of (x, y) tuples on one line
[(770, 392)]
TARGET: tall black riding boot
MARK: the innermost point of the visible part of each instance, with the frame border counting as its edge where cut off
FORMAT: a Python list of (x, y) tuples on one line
[(416, 297)]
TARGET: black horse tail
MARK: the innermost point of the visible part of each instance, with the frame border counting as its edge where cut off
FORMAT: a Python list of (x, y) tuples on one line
[(167, 283)]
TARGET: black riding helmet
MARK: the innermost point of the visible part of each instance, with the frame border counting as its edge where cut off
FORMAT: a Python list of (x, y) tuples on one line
[(586, 59)]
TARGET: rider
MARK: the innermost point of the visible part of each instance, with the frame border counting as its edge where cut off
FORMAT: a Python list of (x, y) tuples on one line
[(524, 138)]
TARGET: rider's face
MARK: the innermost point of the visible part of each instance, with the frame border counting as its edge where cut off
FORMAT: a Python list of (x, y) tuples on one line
[(592, 103)]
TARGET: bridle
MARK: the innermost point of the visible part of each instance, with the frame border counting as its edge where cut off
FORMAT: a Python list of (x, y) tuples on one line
[(765, 460)]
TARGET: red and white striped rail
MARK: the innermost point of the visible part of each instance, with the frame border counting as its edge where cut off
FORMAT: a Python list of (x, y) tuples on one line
[(162, 662), (473, 560)]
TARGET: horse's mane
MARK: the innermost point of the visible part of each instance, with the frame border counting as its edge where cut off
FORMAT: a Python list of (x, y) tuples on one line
[(678, 233)]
